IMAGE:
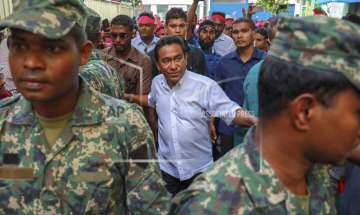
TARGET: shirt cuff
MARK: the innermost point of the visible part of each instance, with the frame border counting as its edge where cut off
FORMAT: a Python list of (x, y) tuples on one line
[(150, 103), (229, 118)]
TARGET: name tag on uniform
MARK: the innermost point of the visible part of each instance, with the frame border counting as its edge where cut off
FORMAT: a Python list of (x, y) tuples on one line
[(92, 177), (16, 173)]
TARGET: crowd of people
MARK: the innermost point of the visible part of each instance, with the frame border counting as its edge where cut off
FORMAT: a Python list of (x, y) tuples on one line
[(180, 116)]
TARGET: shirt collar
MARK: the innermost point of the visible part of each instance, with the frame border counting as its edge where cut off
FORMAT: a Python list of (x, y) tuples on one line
[(221, 37), (178, 84), (132, 56), (138, 41), (271, 189), (86, 112), (257, 55)]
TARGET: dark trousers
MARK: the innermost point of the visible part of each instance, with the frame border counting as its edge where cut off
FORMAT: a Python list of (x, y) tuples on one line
[(226, 143), (174, 185)]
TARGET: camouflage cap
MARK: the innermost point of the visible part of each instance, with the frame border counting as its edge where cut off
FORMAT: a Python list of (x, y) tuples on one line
[(321, 43), (93, 22), (52, 19)]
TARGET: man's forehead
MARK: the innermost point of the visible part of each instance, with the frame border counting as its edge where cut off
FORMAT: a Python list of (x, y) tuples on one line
[(119, 28), (177, 21), (218, 21), (171, 50), (241, 25)]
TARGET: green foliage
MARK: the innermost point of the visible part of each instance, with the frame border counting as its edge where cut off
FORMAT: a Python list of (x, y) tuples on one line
[(274, 6)]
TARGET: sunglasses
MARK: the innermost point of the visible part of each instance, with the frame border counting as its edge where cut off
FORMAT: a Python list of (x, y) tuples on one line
[(120, 35)]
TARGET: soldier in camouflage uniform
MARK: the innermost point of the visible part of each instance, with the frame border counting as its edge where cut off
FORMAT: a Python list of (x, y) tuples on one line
[(309, 119), (100, 75), (94, 164)]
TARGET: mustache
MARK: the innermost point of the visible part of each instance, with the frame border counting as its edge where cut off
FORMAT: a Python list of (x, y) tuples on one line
[(34, 74)]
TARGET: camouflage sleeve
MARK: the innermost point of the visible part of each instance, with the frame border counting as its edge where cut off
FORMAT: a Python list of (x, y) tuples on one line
[(146, 193), (220, 190), (119, 83), (204, 197)]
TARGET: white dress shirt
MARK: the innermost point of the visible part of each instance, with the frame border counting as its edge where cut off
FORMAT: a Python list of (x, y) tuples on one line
[(185, 147)]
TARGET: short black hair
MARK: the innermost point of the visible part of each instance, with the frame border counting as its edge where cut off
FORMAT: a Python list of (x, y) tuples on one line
[(218, 13), (146, 14), (264, 32), (166, 41), (280, 82), (246, 20), (123, 20), (175, 13)]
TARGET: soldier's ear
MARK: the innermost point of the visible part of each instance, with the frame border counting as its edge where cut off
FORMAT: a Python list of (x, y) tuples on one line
[(302, 111), (85, 52)]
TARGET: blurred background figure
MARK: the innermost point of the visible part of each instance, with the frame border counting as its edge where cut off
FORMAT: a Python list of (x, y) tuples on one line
[(145, 40), (228, 26), (262, 39), (160, 31), (4, 93), (4, 63), (223, 44)]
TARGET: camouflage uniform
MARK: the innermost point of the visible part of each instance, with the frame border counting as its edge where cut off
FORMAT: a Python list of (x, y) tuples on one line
[(100, 75), (88, 170), (96, 166), (242, 182)]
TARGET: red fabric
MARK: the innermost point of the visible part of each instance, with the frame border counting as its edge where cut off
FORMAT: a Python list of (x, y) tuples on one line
[(341, 186), (229, 21), (218, 17), (5, 94), (146, 20)]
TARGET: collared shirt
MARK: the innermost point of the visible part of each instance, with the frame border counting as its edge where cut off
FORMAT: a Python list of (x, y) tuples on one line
[(212, 59), (242, 182), (195, 60), (91, 169), (102, 77), (183, 114), (224, 45), (194, 40), (231, 71), (143, 47), (131, 74)]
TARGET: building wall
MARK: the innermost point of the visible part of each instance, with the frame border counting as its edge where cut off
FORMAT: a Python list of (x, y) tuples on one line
[(5, 8), (109, 9), (160, 7), (105, 9)]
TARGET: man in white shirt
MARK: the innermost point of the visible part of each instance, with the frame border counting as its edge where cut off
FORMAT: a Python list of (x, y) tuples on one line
[(223, 44), (184, 102)]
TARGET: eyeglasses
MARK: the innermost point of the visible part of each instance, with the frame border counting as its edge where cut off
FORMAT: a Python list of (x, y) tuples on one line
[(120, 35)]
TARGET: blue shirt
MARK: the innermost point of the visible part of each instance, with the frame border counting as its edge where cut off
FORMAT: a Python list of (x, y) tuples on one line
[(251, 99), (351, 196), (212, 59), (143, 47), (185, 147), (231, 73), (224, 45)]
